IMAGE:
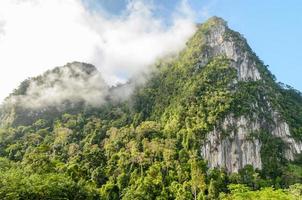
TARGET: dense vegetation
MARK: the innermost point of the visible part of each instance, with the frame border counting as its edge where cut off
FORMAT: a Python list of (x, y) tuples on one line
[(89, 158), (148, 147)]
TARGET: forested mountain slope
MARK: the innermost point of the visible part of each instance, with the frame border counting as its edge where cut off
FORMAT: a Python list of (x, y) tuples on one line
[(211, 123)]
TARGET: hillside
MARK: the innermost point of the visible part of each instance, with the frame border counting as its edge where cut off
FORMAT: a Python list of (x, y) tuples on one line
[(73, 88), (211, 123)]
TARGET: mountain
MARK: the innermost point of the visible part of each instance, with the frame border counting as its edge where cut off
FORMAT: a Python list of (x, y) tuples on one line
[(255, 116), (220, 90), (72, 88), (210, 123)]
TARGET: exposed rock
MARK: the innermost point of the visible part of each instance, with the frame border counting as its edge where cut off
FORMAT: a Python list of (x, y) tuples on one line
[(282, 131), (220, 43), (232, 147)]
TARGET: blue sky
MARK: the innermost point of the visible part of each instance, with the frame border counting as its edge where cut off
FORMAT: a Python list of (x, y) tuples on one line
[(273, 28)]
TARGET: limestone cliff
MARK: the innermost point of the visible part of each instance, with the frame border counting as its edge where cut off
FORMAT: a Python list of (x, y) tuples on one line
[(238, 147)]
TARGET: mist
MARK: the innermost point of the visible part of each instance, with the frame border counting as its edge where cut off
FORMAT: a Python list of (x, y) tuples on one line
[(73, 83), (37, 35)]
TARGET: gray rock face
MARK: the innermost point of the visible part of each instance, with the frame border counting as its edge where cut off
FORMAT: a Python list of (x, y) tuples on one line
[(232, 147), (282, 131), (221, 44)]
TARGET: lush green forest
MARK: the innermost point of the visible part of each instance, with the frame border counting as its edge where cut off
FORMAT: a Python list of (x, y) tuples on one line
[(148, 146), (91, 158)]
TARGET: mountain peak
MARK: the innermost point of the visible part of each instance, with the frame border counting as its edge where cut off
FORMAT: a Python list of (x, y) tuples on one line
[(216, 21), (72, 87), (214, 38), (250, 105), (84, 67)]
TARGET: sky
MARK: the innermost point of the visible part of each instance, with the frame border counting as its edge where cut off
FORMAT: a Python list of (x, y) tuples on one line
[(273, 28), (37, 35)]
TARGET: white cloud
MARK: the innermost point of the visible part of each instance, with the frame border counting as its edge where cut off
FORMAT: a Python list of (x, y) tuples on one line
[(2, 24), (74, 86), (36, 35)]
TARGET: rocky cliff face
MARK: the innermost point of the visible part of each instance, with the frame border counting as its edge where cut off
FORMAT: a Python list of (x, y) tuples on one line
[(235, 150), (282, 131), (239, 148), (231, 144), (220, 40)]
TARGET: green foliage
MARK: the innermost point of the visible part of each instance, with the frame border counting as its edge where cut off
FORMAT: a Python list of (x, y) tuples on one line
[(291, 108), (16, 183), (241, 192)]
